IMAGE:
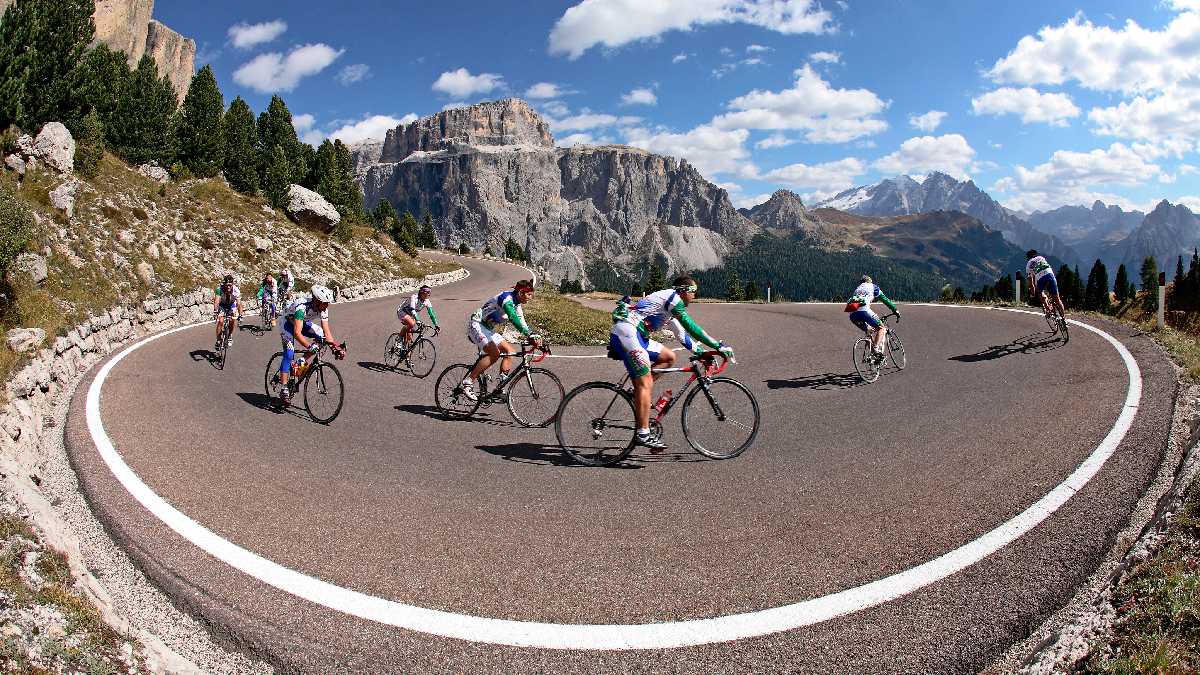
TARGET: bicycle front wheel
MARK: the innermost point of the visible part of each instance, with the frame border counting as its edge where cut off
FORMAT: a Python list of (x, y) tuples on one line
[(864, 363), (422, 357), (323, 393), (391, 351), (534, 397), (224, 351), (720, 419), (271, 382), (896, 351), (595, 424), (448, 394)]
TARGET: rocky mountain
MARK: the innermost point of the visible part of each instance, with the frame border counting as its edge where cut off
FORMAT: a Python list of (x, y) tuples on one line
[(1087, 230), (128, 26), (785, 214), (1166, 232), (490, 172), (940, 192)]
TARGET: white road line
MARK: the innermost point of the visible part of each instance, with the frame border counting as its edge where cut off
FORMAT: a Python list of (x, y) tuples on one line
[(611, 637)]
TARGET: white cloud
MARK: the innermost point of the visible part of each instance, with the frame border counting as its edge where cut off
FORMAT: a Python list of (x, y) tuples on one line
[(582, 139), (828, 177), (370, 127), (544, 90), (825, 57), (827, 115), (744, 201), (950, 154), (356, 72), (303, 122), (246, 35), (614, 23), (555, 108), (589, 120), (461, 83), (774, 141), (1193, 203), (1032, 105), (1171, 116), (680, 57), (726, 51), (927, 122), (1075, 177), (305, 128), (757, 49), (640, 96), (272, 71), (709, 149)]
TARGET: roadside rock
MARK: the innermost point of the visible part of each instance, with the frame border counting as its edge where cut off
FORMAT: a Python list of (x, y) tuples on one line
[(25, 145), (261, 244), (56, 147), (15, 163), (63, 197), (154, 172), (25, 339), (311, 209)]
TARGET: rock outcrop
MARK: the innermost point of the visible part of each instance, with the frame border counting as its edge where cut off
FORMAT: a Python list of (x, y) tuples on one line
[(490, 172), (55, 146), (174, 54), (1169, 231), (311, 209)]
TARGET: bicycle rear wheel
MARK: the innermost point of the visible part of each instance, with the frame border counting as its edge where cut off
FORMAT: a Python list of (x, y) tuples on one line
[(1062, 327), (323, 393), (422, 357), (271, 382), (720, 419), (448, 393), (595, 424), (896, 351), (391, 351), (864, 364), (534, 397)]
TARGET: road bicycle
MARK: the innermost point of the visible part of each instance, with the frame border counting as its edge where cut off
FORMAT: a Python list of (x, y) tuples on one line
[(867, 363), (720, 418), (1054, 318), (223, 342), (420, 354), (268, 311), (532, 394), (320, 381)]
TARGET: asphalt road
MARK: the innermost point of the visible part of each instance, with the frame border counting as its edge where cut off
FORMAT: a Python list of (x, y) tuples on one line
[(847, 483)]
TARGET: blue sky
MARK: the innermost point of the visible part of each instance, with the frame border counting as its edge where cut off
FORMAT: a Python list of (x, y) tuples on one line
[(1041, 103)]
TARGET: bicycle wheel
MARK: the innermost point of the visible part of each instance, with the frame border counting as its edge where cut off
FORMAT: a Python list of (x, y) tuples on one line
[(1051, 321), (721, 422), (271, 383), (1062, 327), (391, 351), (448, 394), (595, 424), (896, 350), (422, 357), (223, 352), (323, 393), (864, 365), (534, 397)]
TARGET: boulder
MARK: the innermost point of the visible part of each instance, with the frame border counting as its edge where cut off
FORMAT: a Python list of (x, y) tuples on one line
[(262, 245), (154, 172), (25, 145), (32, 264), (63, 197), (152, 251), (56, 147), (15, 163), (145, 272), (311, 209), (25, 339)]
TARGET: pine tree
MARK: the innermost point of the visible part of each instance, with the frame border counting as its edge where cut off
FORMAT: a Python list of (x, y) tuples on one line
[(383, 216), (463, 248), (752, 292), (1179, 270), (241, 157), (39, 51), (733, 286), (404, 233), (141, 130), (275, 129), (322, 171), (428, 237), (348, 198), (1096, 292), (89, 149), (17, 30), (1004, 288), (513, 250), (96, 85), (199, 134), (309, 154), (657, 280), (1077, 289), (1149, 278), (277, 178), (1121, 284)]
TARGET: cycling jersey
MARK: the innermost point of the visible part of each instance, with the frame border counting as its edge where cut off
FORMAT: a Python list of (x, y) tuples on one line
[(500, 310), (1038, 267), (266, 291), (413, 306), (227, 300), (630, 335), (859, 305), (309, 317)]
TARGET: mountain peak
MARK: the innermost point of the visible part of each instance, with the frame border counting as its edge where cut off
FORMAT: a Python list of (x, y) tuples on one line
[(509, 121), (786, 195)]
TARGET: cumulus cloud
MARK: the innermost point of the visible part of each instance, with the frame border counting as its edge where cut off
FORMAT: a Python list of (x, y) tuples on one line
[(582, 139), (774, 141), (545, 90), (614, 23), (757, 49), (710, 149), (640, 96), (1192, 202), (246, 35), (825, 114), (744, 201), (272, 71), (927, 122), (589, 120), (371, 127), (1032, 105), (555, 108), (678, 58), (1173, 115), (825, 57), (462, 84), (1077, 177), (950, 154), (356, 72), (305, 129), (830, 177)]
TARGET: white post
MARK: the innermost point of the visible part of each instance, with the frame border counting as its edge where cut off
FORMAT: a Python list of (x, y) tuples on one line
[(1162, 299), (1016, 288), (768, 293)]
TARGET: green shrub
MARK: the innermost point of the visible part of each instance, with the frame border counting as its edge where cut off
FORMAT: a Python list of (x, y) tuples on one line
[(90, 148), (16, 227), (464, 249)]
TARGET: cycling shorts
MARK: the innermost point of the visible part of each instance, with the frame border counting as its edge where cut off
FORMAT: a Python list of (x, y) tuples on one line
[(289, 342), (227, 310), (403, 311), (864, 318), (637, 351), (1049, 284), (481, 336)]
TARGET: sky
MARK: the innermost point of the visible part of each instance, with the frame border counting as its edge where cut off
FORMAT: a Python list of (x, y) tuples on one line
[(1042, 103)]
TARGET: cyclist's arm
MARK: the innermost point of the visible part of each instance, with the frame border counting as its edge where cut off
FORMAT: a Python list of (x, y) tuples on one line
[(298, 332), (888, 302), (516, 317), (432, 316), (328, 333), (680, 334), (692, 329)]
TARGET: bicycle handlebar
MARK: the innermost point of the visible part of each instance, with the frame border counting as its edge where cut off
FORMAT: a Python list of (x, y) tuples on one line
[(708, 357)]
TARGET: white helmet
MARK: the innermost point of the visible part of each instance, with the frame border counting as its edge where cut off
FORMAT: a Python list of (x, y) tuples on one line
[(322, 294)]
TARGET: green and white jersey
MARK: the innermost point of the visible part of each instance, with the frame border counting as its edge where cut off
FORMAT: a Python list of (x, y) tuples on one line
[(1038, 267)]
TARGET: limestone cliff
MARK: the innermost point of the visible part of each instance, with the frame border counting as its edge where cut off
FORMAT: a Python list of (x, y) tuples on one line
[(174, 54), (490, 172)]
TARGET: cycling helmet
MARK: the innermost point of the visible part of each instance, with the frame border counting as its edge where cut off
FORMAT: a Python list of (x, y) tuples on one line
[(866, 279), (322, 294), (424, 289), (228, 279), (524, 285)]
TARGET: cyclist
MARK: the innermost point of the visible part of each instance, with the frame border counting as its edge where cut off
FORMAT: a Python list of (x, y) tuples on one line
[(286, 283), (226, 298), (409, 309), (630, 341), (306, 320), (861, 315), (267, 291), (484, 330), (1040, 275)]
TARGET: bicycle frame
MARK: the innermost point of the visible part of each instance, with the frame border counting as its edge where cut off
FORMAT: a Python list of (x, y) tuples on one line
[(527, 358), (694, 367)]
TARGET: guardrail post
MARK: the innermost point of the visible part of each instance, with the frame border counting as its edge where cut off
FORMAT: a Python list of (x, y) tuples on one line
[(768, 293), (1016, 288), (1162, 299)]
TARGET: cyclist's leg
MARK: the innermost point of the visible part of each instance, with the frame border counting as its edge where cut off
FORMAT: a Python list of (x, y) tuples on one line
[(506, 348), (407, 322), (631, 346), (289, 354), (864, 318), (487, 342)]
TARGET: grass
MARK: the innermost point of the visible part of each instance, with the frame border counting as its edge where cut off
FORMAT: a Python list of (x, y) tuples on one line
[(566, 322)]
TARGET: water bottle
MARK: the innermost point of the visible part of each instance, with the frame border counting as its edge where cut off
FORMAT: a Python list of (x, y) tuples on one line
[(662, 401), (298, 366)]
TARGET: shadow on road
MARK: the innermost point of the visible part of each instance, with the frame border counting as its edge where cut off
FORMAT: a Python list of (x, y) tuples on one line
[(823, 382), (375, 366), (529, 453), (264, 402), (433, 412), (206, 355), (1033, 343)]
